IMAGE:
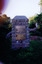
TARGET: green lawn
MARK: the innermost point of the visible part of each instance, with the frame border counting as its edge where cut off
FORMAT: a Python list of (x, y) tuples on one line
[(31, 55)]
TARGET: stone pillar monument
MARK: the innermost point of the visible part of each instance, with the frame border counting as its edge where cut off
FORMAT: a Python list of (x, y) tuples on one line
[(20, 32)]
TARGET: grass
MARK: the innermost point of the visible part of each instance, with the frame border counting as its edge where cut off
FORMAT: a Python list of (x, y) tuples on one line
[(31, 55)]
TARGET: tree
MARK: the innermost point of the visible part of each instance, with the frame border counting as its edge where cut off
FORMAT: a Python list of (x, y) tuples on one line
[(38, 18), (4, 29)]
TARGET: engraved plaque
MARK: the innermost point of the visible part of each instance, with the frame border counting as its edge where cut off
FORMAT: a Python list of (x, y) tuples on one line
[(20, 37), (20, 29)]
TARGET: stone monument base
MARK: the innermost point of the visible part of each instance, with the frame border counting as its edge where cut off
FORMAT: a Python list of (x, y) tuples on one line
[(20, 45)]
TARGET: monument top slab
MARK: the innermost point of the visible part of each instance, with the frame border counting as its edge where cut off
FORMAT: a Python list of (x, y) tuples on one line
[(20, 17)]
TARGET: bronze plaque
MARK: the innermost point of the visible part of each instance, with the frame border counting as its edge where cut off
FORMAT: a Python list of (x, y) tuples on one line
[(20, 36)]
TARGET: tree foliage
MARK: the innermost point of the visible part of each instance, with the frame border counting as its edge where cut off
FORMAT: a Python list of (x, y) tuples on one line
[(38, 18), (4, 29)]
